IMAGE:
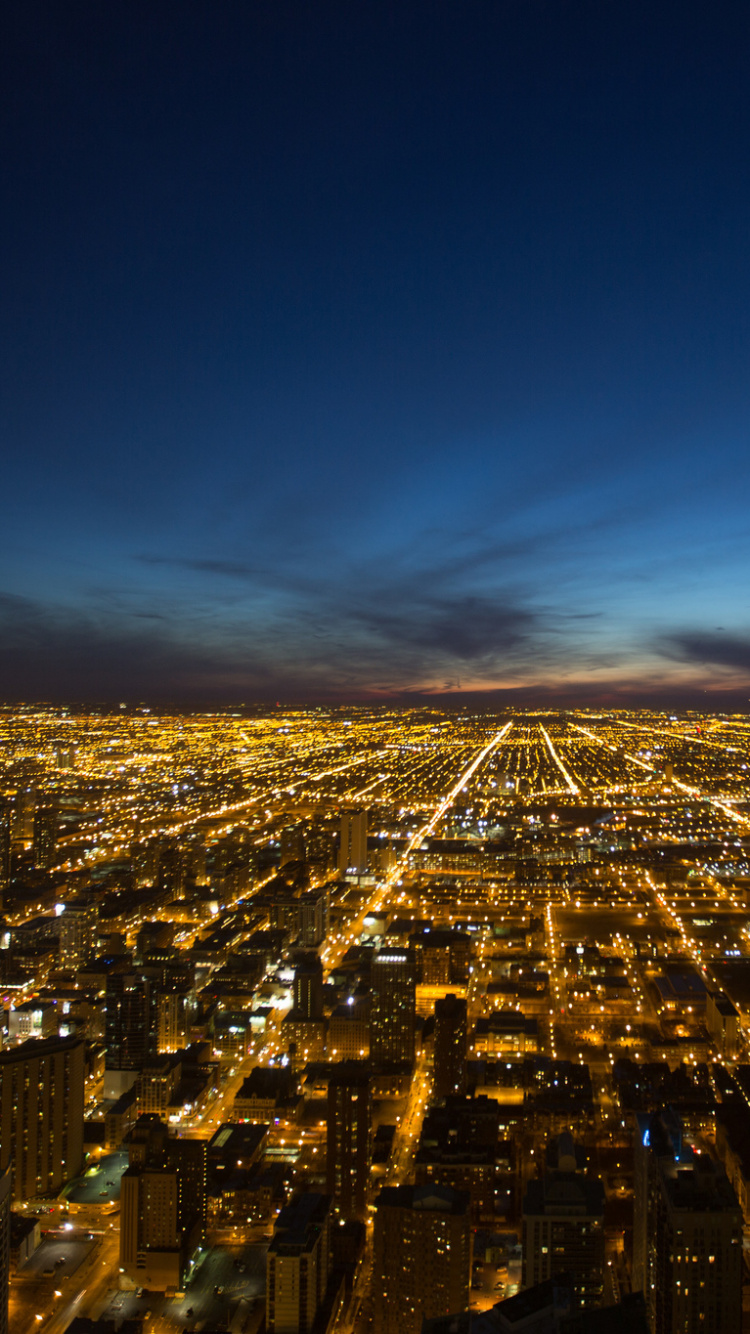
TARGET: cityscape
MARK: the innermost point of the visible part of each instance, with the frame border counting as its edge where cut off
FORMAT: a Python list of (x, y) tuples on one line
[(374, 1019), (374, 667)]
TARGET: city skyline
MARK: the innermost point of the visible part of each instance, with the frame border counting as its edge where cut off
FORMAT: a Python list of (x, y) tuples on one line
[(354, 354)]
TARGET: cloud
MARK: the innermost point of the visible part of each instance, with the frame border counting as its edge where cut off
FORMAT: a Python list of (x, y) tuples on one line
[(232, 569), (470, 629), (707, 647)]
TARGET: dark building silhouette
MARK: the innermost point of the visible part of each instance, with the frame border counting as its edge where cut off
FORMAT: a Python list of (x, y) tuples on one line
[(298, 1265), (349, 1124), (292, 844), (393, 1006), (688, 1229), (5, 851), (44, 837), (353, 850), (308, 987), (128, 1035), (5, 1199), (563, 1227), (450, 1046)]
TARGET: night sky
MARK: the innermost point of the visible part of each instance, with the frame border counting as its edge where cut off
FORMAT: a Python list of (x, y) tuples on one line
[(372, 349)]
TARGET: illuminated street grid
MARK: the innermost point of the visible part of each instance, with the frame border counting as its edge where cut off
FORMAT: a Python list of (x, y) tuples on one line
[(593, 860)]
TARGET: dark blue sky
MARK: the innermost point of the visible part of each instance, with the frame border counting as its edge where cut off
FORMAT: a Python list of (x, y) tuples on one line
[(374, 347)]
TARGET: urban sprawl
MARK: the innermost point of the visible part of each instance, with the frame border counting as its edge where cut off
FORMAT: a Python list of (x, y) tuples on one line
[(361, 1019)]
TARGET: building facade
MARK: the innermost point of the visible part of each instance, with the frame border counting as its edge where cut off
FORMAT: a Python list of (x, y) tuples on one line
[(41, 1114), (422, 1256), (393, 1006)]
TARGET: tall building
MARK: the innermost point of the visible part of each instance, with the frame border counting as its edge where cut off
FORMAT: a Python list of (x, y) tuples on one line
[(5, 851), (44, 837), (311, 919), (292, 844), (308, 987), (657, 1136), (79, 929), (393, 1006), (128, 1033), (162, 1205), (349, 1129), (41, 1114), (563, 1227), (422, 1256), (6, 1190), (692, 1270), (65, 756), (723, 1023), (353, 850), (298, 1264), (451, 1036), (172, 1010)]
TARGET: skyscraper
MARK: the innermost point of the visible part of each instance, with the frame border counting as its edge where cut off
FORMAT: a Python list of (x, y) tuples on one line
[(563, 1227), (78, 932), (298, 1264), (422, 1256), (349, 1122), (393, 990), (311, 919), (353, 851), (308, 987), (128, 1030), (292, 844), (450, 1046), (5, 1198), (163, 1205), (689, 1229), (5, 851), (44, 837), (41, 1114)]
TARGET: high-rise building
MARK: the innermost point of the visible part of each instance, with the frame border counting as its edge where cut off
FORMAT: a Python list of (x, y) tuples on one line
[(65, 756), (422, 1256), (5, 851), (162, 1204), (349, 1129), (171, 1009), (353, 851), (692, 1270), (292, 844), (657, 1136), (319, 847), (6, 1190), (128, 1032), (44, 837), (298, 1264), (308, 987), (311, 919), (563, 1227), (450, 1045), (79, 926), (393, 1006), (698, 1230), (41, 1114), (723, 1023)]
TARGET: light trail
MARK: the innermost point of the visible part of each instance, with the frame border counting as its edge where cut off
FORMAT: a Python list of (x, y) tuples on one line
[(350, 764), (572, 787), (633, 758), (451, 796), (674, 782)]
